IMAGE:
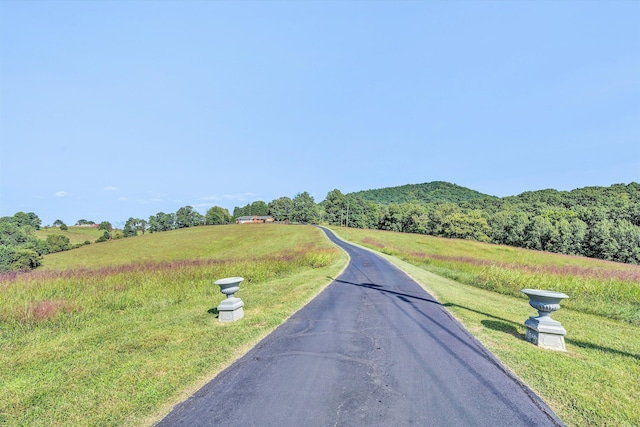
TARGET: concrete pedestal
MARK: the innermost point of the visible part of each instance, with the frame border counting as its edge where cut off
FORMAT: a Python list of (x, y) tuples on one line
[(545, 332), (230, 310), (542, 330)]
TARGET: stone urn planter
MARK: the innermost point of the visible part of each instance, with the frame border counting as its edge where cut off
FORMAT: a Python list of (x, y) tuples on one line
[(542, 330), (230, 309)]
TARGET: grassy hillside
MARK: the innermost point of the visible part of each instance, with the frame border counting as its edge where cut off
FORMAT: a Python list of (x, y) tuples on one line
[(597, 381), (218, 242), (75, 234), (430, 192), (116, 333)]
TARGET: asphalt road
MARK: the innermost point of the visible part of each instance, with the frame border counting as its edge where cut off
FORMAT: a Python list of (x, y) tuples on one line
[(373, 349)]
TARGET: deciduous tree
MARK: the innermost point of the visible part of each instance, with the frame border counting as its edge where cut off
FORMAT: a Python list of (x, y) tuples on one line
[(162, 222), (217, 215), (187, 217), (107, 227), (304, 209), (334, 206), (57, 243), (280, 208)]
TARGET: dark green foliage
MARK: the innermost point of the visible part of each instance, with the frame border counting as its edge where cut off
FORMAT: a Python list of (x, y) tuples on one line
[(351, 211), (107, 227), (57, 243), (471, 226), (390, 217), (133, 226), (430, 192), (7, 256), (162, 222), (187, 217), (600, 222), (258, 208), (304, 209), (280, 209), (38, 245), (19, 248), (13, 235), (25, 259), (335, 206), (361, 213), (129, 229), (217, 215), (508, 227), (31, 219)]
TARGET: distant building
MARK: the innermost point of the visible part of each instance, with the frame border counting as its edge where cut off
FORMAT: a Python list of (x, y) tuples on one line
[(255, 219)]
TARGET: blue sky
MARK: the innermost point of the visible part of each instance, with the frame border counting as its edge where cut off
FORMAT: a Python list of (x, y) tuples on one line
[(118, 109)]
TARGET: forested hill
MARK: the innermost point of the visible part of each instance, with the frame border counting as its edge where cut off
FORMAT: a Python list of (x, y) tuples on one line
[(620, 201), (599, 222), (429, 192)]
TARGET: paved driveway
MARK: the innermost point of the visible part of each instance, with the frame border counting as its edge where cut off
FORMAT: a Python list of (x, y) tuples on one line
[(373, 349)]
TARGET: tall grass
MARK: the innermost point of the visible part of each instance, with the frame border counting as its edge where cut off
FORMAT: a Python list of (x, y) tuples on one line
[(118, 343), (598, 287)]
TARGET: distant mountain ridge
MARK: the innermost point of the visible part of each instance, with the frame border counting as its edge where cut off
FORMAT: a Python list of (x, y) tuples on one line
[(428, 192)]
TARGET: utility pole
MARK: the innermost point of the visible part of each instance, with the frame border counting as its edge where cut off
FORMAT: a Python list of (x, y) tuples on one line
[(347, 230)]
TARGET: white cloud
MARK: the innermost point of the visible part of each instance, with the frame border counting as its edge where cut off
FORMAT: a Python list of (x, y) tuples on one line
[(61, 194), (110, 188)]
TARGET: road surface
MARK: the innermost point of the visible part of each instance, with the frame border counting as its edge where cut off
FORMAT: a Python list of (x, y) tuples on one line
[(372, 349)]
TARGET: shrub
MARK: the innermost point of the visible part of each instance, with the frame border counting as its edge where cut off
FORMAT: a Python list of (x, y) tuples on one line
[(25, 259), (57, 243)]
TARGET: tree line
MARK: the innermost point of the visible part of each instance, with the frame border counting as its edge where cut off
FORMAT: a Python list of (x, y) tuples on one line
[(21, 249), (598, 222), (301, 209)]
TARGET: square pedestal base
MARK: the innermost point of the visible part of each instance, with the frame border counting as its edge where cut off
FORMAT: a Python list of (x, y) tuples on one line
[(545, 340), (230, 310), (545, 333)]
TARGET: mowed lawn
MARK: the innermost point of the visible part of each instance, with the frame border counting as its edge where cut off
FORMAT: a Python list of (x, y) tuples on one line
[(597, 381), (116, 333)]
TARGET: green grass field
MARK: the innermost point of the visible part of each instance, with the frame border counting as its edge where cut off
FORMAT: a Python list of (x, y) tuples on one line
[(75, 234), (118, 332), (597, 381)]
